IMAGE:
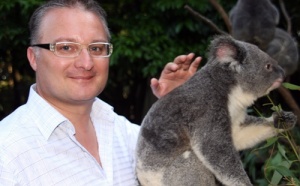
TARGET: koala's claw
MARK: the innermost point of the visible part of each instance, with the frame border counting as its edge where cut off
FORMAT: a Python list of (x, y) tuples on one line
[(284, 120)]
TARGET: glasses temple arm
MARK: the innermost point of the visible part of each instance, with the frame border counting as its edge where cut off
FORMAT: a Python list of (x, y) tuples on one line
[(45, 46)]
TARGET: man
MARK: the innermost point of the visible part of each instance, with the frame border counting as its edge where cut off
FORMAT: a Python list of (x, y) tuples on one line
[(64, 134)]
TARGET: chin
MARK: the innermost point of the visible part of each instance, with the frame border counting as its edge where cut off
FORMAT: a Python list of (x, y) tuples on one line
[(83, 97)]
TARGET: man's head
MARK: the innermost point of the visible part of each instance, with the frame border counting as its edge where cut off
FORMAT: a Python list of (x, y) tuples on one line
[(87, 5), (70, 79)]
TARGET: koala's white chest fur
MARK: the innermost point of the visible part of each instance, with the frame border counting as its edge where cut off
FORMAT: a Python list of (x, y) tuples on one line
[(238, 103), (245, 136)]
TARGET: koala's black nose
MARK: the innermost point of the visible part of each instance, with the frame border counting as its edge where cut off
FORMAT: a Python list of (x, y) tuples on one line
[(280, 71)]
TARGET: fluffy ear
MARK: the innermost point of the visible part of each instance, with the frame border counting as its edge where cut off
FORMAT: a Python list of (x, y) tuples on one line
[(227, 50)]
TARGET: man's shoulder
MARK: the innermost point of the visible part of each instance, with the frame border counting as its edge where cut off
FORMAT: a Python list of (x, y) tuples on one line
[(12, 126), (18, 116)]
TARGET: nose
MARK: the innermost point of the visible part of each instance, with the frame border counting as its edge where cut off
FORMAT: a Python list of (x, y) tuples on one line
[(280, 71), (84, 60)]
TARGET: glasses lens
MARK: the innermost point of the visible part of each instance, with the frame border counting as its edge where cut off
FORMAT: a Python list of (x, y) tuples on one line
[(67, 49), (100, 49)]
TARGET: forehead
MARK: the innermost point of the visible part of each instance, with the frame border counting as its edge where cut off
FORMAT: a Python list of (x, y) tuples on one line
[(71, 23)]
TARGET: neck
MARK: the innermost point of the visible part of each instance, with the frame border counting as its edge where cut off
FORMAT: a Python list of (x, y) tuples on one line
[(78, 115), (78, 112)]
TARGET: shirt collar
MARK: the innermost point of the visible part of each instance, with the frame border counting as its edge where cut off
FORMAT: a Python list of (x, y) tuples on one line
[(46, 117), (102, 111)]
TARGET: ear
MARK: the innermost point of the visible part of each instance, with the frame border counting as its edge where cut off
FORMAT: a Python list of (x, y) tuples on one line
[(227, 50), (31, 56)]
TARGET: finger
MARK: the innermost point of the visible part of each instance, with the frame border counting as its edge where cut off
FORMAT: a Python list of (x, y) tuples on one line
[(180, 59), (187, 63), (195, 64), (190, 56), (154, 87), (153, 83), (170, 67)]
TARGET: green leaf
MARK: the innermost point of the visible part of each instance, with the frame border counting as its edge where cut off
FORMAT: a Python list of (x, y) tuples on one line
[(282, 151), (291, 86), (277, 176), (284, 171), (276, 160), (270, 142)]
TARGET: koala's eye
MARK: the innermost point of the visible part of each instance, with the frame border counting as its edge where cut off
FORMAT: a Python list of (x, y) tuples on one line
[(268, 67)]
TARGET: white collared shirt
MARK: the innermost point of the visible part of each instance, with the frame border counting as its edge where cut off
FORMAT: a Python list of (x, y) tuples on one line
[(38, 147)]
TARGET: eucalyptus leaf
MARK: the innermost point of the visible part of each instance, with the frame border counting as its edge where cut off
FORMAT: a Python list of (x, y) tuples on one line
[(282, 151), (270, 142), (291, 86), (284, 171), (276, 178)]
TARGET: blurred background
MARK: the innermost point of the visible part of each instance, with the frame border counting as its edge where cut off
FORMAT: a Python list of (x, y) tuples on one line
[(146, 35)]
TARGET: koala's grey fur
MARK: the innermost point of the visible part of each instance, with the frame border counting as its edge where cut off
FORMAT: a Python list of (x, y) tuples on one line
[(192, 135), (284, 49), (254, 21)]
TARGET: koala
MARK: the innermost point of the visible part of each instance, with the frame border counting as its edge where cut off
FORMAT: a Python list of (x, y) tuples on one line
[(284, 49), (192, 135), (254, 21)]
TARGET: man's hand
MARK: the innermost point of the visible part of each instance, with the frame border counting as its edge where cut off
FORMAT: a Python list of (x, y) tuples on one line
[(174, 74)]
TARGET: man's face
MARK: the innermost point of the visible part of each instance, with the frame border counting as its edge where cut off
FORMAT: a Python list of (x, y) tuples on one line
[(70, 80)]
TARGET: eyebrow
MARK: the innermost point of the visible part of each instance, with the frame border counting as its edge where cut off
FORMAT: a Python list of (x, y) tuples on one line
[(62, 39), (100, 40)]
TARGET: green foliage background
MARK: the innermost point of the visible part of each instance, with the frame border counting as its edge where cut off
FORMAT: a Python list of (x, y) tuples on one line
[(146, 35)]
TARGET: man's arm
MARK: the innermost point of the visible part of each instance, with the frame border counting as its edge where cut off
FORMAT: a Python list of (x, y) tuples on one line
[(174, 74)]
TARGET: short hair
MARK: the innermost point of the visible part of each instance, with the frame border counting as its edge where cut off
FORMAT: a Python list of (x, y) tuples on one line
[(88, 5)]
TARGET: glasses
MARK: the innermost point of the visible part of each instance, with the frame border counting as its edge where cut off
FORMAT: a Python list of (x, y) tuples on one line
[(72, 49)]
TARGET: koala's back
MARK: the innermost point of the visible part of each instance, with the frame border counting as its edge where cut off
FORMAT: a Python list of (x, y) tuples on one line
[(186, 108)]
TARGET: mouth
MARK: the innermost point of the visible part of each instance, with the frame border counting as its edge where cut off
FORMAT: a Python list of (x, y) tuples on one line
[(277, 83), (82, 78)]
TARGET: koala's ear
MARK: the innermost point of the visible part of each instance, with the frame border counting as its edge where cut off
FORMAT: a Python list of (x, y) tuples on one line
[(226, 50)]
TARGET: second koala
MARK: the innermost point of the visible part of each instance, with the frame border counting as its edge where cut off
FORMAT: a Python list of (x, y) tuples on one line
[(193, 134)]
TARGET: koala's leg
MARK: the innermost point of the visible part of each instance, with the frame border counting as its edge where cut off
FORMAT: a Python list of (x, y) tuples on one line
[(187, 170), (165, 160), (217, 152), (255, 130)]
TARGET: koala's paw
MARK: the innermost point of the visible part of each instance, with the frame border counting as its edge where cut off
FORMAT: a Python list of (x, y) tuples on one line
[(284, 120)]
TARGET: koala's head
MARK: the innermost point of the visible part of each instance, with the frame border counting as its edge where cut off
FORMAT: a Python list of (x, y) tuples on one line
[(254, 70)]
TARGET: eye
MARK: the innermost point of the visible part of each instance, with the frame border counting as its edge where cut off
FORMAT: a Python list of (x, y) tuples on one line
[(66, 47), (268, 67), (97, 48)]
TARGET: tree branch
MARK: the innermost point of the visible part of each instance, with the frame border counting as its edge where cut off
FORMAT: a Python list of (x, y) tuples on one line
[(223, 14), (286, 16), (286, 94), (200, 17)]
